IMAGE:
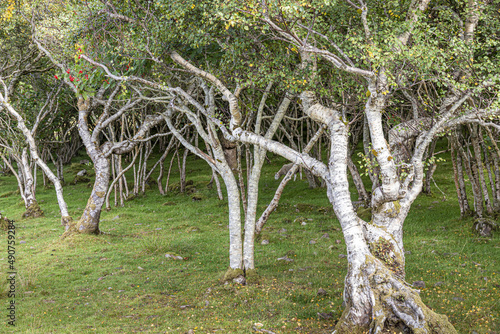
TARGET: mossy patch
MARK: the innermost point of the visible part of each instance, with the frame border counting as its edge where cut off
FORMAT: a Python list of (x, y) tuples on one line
[(252, 276), (197, 197), (231, 274), (66, 220), (4, 223), (303, 207), (384, 251), (80, 179), (33, 211), (177, 186)]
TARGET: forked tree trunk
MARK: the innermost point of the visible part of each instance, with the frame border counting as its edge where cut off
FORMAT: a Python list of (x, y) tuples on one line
[(476, 191), (220, 162), (65, 217), (377, 298), (288, 176), (253, 186)]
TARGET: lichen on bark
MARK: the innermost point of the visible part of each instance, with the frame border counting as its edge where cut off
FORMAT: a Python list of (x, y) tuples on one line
[(384, 250), (395, 306)]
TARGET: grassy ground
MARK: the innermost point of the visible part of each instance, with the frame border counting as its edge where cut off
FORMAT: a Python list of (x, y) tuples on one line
[(121, 282)]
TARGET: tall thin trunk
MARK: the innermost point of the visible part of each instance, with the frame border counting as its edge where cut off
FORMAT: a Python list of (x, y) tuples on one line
[(478, 167), (241, 181), (459, 179), (488, 164), (18, 177), (182, 171), (32, 208), (496, 162), (476, 191)]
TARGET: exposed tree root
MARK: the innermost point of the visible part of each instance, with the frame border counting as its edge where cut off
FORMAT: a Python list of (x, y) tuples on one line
[(395, 307), (70, 229)]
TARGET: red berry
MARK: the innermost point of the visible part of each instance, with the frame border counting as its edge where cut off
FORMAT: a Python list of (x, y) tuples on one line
[(55, 76), (67, 71), (71, 78), (80, 72)]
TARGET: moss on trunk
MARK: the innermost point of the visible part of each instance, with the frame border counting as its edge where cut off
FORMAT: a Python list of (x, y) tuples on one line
[(395, 307), (232, 274), (33, 211)]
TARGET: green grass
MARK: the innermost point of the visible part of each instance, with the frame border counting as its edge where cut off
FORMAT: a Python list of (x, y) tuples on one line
[(121, 282)]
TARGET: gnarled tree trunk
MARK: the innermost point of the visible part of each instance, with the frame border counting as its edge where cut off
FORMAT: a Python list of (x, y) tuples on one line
[(89, 221), (377, 297)]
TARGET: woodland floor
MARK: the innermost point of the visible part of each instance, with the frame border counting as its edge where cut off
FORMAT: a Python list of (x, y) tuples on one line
[(121, 282)]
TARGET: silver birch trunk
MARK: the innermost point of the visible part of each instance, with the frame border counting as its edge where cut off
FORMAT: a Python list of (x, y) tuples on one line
[(253, 187)]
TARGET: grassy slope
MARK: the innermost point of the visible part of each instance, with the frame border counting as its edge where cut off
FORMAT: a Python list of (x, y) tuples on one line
[(121, 282)]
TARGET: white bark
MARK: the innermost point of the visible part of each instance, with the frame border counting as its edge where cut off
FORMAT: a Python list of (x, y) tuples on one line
[(219, 164), (253, 187), (65, 217)]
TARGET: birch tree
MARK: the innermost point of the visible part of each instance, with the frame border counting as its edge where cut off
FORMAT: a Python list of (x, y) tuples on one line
[(377, 50), (102, 94), (376, 294), (21, 59)]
